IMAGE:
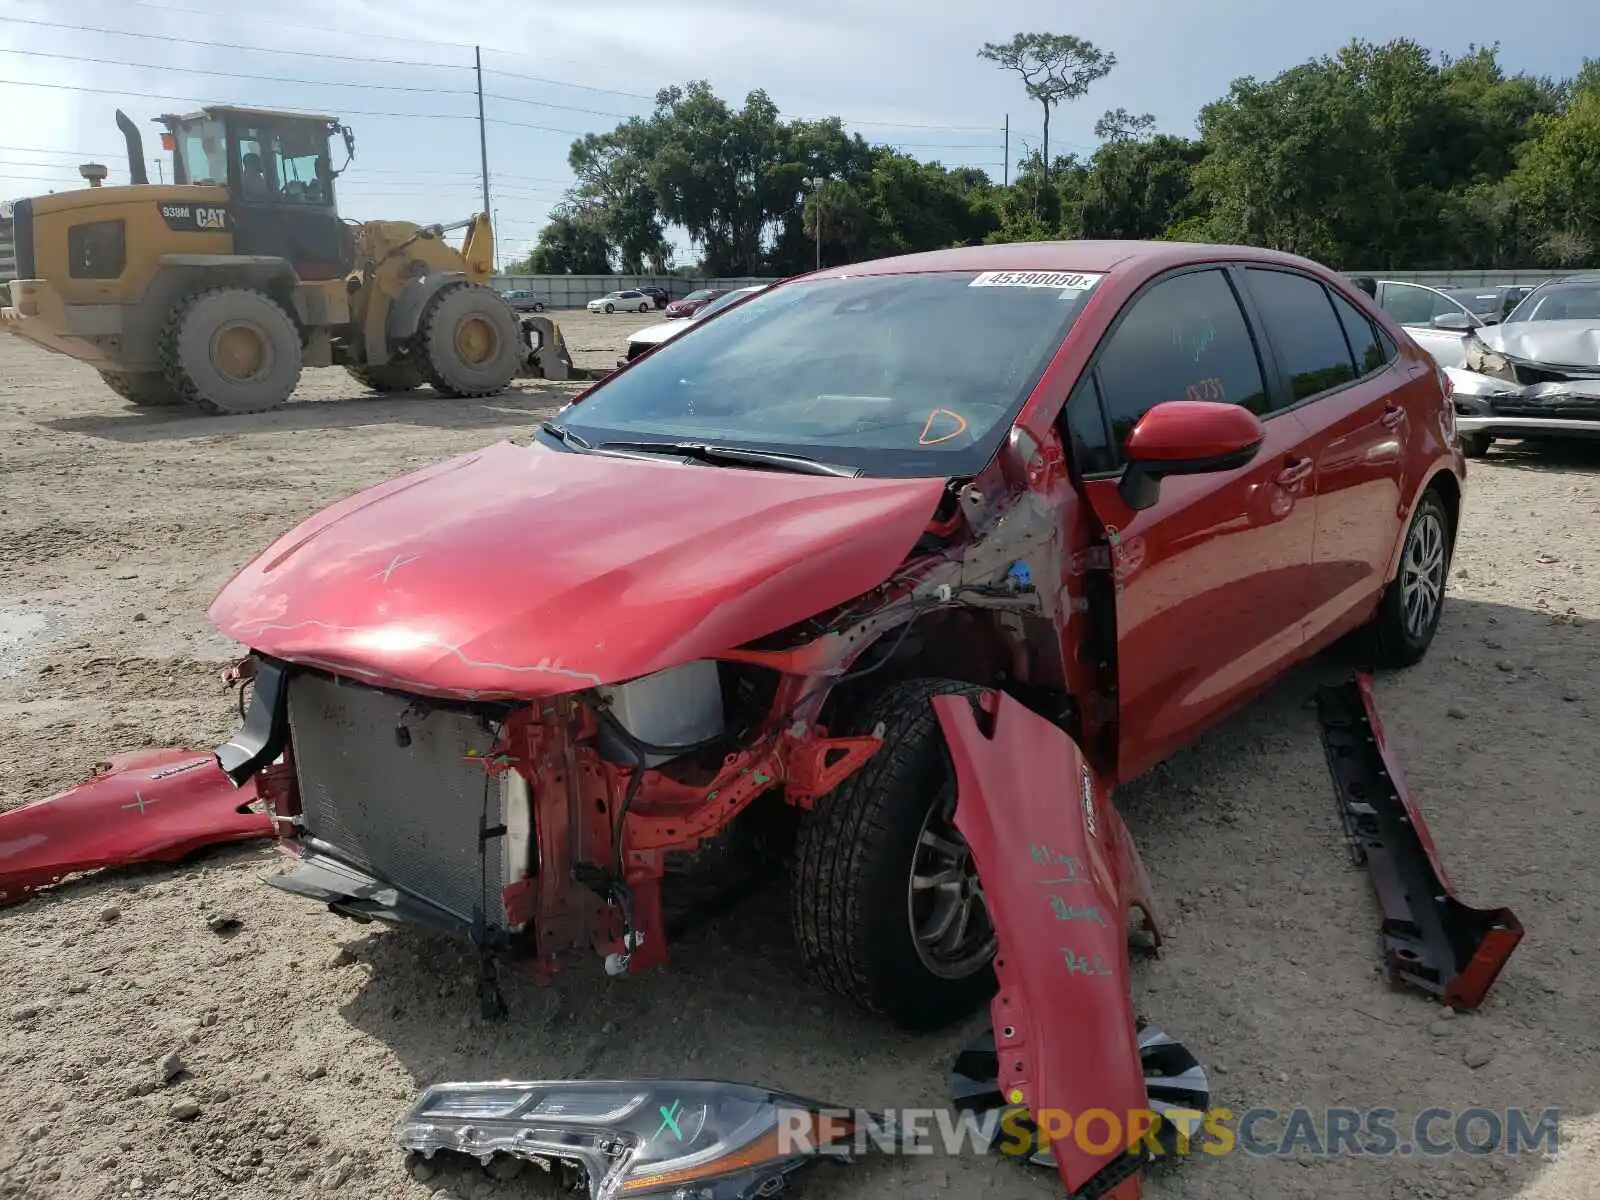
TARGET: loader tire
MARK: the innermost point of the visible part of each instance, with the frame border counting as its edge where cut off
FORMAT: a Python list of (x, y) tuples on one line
[(399, 375), (229, 351), (468, 342), (852, 905), (147, 389)]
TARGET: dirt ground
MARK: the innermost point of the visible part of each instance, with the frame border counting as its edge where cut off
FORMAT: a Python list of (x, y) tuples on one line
[(302, 1037)]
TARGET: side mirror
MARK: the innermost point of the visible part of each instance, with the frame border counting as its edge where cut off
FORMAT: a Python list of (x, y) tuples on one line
[(1186, 437), (1455, 322)]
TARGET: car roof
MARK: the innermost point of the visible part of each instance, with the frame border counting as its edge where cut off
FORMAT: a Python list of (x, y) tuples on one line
[(1097, 256)]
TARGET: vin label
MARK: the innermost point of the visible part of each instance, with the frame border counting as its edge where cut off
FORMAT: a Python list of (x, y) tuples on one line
[(196, 218)]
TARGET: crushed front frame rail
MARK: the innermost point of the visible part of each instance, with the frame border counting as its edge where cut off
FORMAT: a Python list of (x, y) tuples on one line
[(1428, 938)]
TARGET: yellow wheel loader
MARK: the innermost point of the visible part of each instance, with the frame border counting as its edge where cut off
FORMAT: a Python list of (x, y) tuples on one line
[(214, 291)]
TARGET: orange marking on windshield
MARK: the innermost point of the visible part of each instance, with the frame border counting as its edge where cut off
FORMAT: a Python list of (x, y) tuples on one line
[(925, 438)]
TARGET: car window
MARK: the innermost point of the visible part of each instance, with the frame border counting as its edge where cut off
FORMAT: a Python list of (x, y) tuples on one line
[(1301, 325), (1183, 339), (1369, 352), (1412, 304), (1090, 440), (1577, 301), (888, 395)]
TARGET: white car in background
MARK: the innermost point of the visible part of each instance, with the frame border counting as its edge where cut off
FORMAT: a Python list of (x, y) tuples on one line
[(652, 336), (631, 300)]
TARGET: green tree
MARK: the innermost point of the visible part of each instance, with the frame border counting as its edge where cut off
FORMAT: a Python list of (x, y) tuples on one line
[(1558, 182), (1054, 67), (568, 245)]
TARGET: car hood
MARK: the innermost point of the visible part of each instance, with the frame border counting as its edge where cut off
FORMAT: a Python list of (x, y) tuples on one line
[(652, 335), (1561, 343), (522, 571)]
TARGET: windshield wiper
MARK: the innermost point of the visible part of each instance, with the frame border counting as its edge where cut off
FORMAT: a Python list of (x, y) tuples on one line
[(797, 463), (564, 435)]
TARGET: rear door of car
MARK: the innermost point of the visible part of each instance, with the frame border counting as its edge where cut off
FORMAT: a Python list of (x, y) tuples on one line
[(1212, 589), (1421, 310), (1348, 388)]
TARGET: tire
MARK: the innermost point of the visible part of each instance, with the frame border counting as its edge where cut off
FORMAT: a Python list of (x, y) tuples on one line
[(488, 360), (1476, 445), (1396, 639), (851, 898), (610, 308), (538, 307), (399, 375), (201, 360), (645, 307), (146, 389)]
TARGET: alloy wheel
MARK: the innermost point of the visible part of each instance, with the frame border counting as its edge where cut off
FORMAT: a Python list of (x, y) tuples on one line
[(1422, 575)]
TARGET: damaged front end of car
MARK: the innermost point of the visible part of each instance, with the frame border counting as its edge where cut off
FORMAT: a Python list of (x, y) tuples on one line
[(521, 750), (1529, 380)]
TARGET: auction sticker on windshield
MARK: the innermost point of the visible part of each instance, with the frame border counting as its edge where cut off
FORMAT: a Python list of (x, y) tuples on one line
[(1064, 281)]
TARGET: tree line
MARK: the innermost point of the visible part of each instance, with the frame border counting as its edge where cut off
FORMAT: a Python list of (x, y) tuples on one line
[(1379, 156)]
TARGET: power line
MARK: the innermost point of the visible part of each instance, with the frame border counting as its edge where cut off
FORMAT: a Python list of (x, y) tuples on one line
[(145, 66), (353, 112), (182, 41)]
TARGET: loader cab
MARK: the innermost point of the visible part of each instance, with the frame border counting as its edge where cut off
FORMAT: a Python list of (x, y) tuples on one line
[(280, 178)]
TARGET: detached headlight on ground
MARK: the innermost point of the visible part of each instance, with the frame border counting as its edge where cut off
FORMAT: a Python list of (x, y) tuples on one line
[(692, 1139)]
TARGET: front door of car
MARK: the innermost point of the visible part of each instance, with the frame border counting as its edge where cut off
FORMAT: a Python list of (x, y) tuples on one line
[(1212, 580), (1351, 400), (1439, 324)]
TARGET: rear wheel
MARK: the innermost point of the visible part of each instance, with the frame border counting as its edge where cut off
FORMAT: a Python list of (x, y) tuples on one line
[(468, 342), (147, 389), (1408, 616), (230, 351), (886, 905), (396, 376), (538, 307), (1476, 445)]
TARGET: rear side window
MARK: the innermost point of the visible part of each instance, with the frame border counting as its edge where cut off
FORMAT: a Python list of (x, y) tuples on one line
[(1358, 331), (1184, 339), (1304, 329)]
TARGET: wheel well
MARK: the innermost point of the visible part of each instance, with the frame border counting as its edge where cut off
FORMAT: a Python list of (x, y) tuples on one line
[(983, 647), (1448, 489)]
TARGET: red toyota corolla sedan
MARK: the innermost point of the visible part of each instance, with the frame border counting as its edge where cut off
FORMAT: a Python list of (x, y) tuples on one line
[(1099, 492)]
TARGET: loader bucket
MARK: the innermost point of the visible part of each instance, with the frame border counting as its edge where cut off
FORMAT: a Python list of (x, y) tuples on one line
[(547, 356)]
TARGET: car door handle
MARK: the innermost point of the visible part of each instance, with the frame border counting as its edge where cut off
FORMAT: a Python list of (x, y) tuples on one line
[(1393, 414), (1294, 471)]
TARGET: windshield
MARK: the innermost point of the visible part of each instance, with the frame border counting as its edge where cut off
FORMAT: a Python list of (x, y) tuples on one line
[(702, 294), (1560, 302), (902, 375), (1483, 304), (722, 302)]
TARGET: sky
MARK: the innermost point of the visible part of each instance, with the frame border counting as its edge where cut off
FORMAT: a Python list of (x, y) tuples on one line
[(901, 72)]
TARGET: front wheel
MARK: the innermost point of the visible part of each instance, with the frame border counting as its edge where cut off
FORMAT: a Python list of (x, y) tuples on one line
[(1476, 445), (537, 307), (645, 307), (611, 308), (886, 905), (1408, 616), (469, 342)]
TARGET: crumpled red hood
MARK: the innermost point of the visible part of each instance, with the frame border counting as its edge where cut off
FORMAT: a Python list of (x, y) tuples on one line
[(521, 571)]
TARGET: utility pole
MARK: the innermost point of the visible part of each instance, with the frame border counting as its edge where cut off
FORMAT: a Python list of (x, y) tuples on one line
[(161, 171), (483, 131), (1005, 179), (496, 221), (816, 200)]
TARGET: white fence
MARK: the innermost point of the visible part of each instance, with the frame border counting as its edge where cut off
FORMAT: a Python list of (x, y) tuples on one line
[(574, 291), (8, 252), (1465, 278)]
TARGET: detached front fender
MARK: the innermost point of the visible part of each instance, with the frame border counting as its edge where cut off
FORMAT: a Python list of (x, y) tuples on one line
[(1060, 874)]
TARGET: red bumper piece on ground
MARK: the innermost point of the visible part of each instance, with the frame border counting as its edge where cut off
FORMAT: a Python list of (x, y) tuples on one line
[(152, 806), (1429, 939), (1059, 873)]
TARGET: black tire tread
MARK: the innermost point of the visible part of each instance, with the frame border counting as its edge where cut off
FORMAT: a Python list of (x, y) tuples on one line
[(172, 368), (829, 853), (1389, 648), (147, 389), (397, 375)]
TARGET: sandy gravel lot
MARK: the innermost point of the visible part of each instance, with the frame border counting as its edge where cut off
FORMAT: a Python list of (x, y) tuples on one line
[(302, 1036)]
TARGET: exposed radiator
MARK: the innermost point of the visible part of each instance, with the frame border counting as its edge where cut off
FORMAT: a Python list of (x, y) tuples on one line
[(389, 786)]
